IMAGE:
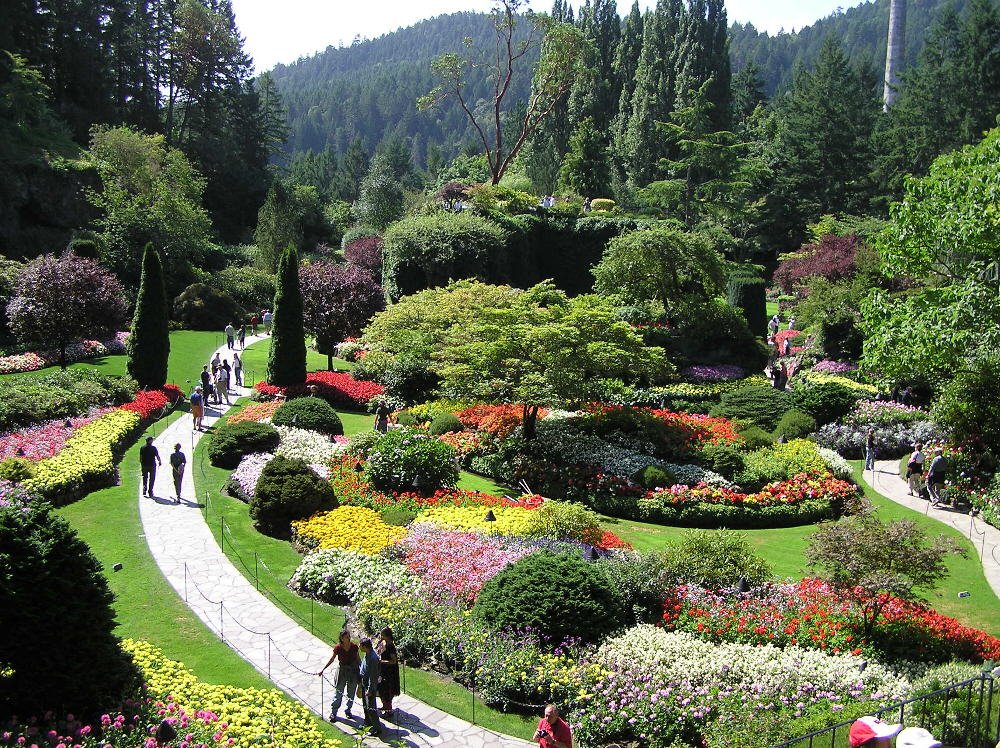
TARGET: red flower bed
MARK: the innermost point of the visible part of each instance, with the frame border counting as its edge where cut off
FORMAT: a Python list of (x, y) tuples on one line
[(149, 403), (803, 486), (813, 615), (497, 420), (780, 338), (340, 389), (706, 429)]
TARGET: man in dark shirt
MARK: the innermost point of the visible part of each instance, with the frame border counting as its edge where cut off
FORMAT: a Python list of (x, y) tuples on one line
[(149, 458)]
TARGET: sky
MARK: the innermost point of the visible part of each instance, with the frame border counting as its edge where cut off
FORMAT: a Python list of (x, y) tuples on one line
[(284, 30)]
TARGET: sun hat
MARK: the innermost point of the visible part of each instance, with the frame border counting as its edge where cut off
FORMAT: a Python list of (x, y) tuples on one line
[(869, 728), (916, 737)]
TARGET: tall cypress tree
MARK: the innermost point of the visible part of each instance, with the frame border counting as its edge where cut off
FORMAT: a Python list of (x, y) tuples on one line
[(623, 74), (286, 363), (148, 346)]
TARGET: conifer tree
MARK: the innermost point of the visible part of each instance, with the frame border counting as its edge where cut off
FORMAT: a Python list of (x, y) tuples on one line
[(585, 168), (286, 363), (277, 226), (748, 92), (623, 72), (148, 345)]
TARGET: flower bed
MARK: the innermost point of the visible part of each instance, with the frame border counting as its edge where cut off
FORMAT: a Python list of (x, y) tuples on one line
[(499, 421), (338, 388), (828, 366), (718, 373), (46, 440), (311, 446), (256, 412), (335, 575), (150, 403), (350, 527), (35, 360), (867, 413), (891, 441)]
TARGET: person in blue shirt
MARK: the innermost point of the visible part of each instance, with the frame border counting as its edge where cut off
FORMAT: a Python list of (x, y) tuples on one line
[(370, 671)]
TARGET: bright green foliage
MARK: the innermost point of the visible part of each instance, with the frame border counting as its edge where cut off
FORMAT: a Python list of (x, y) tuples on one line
[(150, 193), (380, 199), (761, 406), (286, 361), (28, 399), (287, 490), (661, 264), (559, 596), (947, 222), (72, 661), (230, 442), (795, 424), (585, 168), (969, 407), (545, 350), (250, 287), (780, 462), (824, 401), (714, 559), (653, 476), (410, 460), (311, 413), (148, 346), (445, 423)]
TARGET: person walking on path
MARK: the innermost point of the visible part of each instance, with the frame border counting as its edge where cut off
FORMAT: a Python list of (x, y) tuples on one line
[(382, 413), (197, 408), (553, 732), (237, 369), (241, 337), (369, 672), (206, 381), (267, 319), (177, 463), (936, 477), (254, 321), (348, 656), (870, 450), (388, 684), (230, 336), (222, 385), (915, 470), (149, 458)]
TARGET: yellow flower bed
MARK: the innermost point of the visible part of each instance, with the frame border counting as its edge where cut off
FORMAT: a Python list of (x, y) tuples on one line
[(250, 713), (354, 528), (510, 520), (88, 455), (817, 377)]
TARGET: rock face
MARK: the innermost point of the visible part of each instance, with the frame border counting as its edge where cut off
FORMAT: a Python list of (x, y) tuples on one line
[(41, 205)]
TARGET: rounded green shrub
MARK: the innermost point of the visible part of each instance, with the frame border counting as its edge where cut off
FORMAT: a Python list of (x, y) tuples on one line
[(653, 476), (445, 423), (409, 460), (16, 469), (312, 413), (57, 659), (204, 307), (287, 490), (758, 405), (724, 459), (362, 443), (714, 559), (406, 418), (230, 442), (824, 401), (754, 437), (795, 424), (560, 596)]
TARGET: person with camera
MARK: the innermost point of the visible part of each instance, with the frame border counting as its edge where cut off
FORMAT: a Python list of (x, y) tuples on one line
[(553, 732)]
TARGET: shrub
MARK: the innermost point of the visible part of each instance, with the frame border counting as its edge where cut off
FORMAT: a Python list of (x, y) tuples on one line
[(56, 660), (559, 596), (404, 460), (408, 418), (601, 203), (361, 444), (824, 401), (746, 293), (832, 258), (232, 441), (311, 413), (653, 476), (968, 405), (201, 306), (27, 400), (795, 424), (288, 490), (16, 469), (714, 559), (713, 333), (148, 344), (358, 232), (761, 406), (724, 459), (640, 581), (445, 423), (250, 287), (781, 462), (408, 380)]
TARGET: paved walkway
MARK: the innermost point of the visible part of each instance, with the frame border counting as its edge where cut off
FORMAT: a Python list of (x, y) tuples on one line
[(985, 538), (193, 563)]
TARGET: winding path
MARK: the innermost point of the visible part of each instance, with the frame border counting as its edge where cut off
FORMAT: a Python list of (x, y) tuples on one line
[(227, 602), (984, 538)]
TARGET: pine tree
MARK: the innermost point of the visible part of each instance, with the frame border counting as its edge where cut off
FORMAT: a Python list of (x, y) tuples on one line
[(623, 71), (286, 362), (148, 345), (748, 92), (353, 167), (585, 168)]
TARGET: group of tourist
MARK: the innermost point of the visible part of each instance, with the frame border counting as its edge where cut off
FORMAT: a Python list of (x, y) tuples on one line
[(365, 670), (779, 371), (234, 336)]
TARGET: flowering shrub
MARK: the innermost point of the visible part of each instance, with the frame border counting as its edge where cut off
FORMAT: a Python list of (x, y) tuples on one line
[(33, 361), (340, 389), (836, 464), (826, 366), (335, 574), (867, 413), (46, 440), (454, 566), (405, 458), (258, 412), (350, 527), (718, 373), (467, 444), (311, 446)]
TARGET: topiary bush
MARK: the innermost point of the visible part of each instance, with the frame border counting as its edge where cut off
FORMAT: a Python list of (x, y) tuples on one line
[(653, 476), (559, 596), (203, 307), (313, 413), (746, 292), (407, 460), (56, 616), (754, 437), (724, 459), (824, 401), (761, 406), (287, 490), (230, 442), (445, 423), (794, 424)]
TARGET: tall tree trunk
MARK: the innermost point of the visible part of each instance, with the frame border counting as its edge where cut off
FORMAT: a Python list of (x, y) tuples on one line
[(895, 51)]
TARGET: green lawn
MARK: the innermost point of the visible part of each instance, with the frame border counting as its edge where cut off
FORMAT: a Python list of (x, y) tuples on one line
[(784, 548), (255, 361)]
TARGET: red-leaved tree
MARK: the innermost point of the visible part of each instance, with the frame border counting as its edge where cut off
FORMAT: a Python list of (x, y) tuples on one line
[(832, 257), (338, 301), (59, 300), (366, 252)]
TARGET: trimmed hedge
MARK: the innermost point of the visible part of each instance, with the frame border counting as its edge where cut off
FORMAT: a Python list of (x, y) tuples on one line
[(824, 401), (795, 424), (761, 406), (288, 490), (231, 442), (445, 423), (312, 413), (735, 517)]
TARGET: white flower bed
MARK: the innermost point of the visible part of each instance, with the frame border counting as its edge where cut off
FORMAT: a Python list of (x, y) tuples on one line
[(334, 574), (311, 446)]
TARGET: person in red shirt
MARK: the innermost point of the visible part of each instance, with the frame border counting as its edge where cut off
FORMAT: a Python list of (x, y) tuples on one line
[(553, 732), (348, 676)]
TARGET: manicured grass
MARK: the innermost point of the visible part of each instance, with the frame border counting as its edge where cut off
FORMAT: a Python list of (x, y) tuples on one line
[(784, 549), (474, 482), (354, 422), (255, 361)]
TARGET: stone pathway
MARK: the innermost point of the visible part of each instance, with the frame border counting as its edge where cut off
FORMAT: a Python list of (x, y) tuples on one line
[(984, 538), (267, 638)]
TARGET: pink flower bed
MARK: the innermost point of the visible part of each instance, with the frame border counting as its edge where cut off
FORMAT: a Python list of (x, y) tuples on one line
[(35, 360), (834, 367), (46, 440), (454, 566), (718, 373)]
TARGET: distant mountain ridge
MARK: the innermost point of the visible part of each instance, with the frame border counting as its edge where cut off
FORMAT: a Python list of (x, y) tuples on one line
[(369, 89)]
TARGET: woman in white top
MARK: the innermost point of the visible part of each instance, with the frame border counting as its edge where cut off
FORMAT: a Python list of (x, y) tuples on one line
[(915, 470)]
